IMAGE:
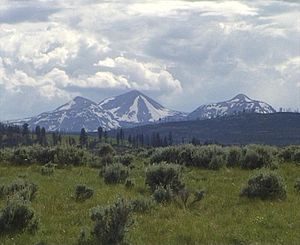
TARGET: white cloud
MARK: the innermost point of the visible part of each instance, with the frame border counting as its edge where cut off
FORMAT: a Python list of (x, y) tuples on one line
[(141, 75), (204, 50)]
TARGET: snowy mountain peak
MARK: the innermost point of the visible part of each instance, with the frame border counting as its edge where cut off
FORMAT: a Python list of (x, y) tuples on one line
[(240, 103), (241, 98), (77, 103), (135, 107), (74, 115)]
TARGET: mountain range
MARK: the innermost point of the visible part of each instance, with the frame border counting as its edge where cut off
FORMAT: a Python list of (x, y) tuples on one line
[(131, 109)]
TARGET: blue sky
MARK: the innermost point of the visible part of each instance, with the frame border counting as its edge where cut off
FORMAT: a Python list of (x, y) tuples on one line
[(181, 53)]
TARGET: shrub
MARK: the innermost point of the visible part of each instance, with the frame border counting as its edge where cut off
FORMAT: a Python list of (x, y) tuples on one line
[(129, 183), (126, 160), (265, 185), (70, 156), (163, 175), (47, 169), (163, 194), (258, 157), (216, 162), (115, 173), (106, 149), (22, 155), (43, 155), (82, 193), (184, 196), (111, 223), (26, 190), (297, 185), (296, 156), (234, 156), (287, 153), (107, 160), (141, 205), (17, 216)]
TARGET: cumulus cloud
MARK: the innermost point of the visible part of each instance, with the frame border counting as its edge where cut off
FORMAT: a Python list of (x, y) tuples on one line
[(203, 50), (140, 75)]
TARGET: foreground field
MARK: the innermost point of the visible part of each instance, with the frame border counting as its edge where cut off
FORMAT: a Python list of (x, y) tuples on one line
[(222, 217)]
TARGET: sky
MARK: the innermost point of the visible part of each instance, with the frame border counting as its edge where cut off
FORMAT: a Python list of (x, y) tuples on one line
[(181, 53)]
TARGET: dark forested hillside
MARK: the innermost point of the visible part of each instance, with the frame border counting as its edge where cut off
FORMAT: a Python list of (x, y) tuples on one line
[(275, 129)]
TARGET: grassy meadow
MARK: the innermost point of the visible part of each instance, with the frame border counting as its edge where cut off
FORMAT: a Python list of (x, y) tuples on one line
[(222, 217)]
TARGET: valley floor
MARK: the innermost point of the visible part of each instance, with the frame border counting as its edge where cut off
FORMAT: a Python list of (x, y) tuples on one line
[(222, 217)]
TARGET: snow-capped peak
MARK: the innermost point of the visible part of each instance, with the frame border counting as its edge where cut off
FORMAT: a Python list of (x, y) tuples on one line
[(74, 115), (135, 107), (240, 103)]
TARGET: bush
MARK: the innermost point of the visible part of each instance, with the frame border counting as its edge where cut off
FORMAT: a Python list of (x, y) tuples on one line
[(184, 196), (48, 169), (297, 185), (234, 156), (22, 155), (258, 157), (106, 149), (129, 183), (141, 205), (163, 194), (217, 162), (296, 156), (126, 160), (115, 173), (26, 190), (265, 185), (17, 216), (71, 156), (82, 193), (107, 160), (111, 223), (163, 175), (287, 153)]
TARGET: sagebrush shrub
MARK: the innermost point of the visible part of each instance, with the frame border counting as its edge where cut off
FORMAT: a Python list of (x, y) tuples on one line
[(217, 162), (126, 159), (111, 223), (22, 155), (115, 173), (48, 169), (70, 155), (107, 160), (23, 188), (297, 185), (82, 192), (184, 197), (163, 194), (17, 216), (265, 185), (129, 183), (141, 205), (106, 149), (163, 175), (258, 157), (296, 156), (234, 156)]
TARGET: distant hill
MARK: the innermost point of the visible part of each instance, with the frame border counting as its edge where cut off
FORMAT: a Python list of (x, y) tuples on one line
[(247, 128)]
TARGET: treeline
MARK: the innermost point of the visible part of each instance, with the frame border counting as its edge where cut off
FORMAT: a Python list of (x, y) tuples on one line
[(12, 136)]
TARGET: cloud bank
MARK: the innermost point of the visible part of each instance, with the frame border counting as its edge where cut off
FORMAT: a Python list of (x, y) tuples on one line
[(182, 53)]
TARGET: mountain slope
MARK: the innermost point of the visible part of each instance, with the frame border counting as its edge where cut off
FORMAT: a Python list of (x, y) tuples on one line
[(249, 128), (136, 108), (240, 103), (74, 115)]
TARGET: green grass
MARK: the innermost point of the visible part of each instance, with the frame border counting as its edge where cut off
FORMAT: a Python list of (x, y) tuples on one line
[(222, 217)]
